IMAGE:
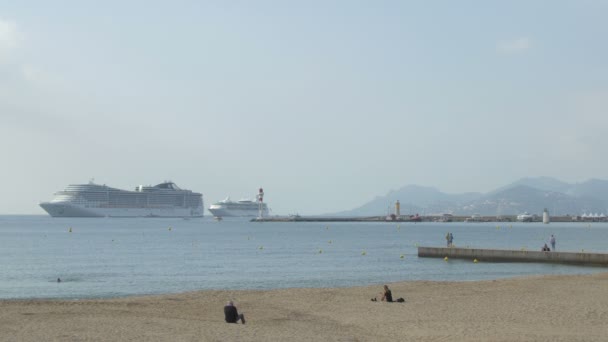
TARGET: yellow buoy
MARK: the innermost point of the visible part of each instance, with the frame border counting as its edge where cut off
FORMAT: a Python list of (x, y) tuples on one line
[(402, 256), (329, 241), (320, 251), (70, 229), (475, 260), (169, 228), (261, 247), (445, 259), (363, 253)]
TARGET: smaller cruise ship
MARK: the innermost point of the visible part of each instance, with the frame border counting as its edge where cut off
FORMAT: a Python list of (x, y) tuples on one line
[(240, 208), (525, 217)]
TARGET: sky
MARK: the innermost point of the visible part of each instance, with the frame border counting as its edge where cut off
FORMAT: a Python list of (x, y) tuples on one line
[(324, 104)]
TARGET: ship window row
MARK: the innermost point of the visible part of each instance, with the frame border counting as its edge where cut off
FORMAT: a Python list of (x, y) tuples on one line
[(242, 206), (129, 199), (142, 199)]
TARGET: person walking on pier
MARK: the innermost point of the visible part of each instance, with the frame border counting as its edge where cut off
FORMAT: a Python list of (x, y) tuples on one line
[(552, 240)]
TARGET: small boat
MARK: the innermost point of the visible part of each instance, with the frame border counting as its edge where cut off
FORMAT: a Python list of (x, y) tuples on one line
[(217, 218)]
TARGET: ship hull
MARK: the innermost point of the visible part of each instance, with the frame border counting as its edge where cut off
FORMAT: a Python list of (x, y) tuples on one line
[(222, 212), (59, 209)]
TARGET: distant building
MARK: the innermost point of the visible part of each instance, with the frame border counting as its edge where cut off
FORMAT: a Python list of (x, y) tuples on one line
[(474, 218), (593, 217)]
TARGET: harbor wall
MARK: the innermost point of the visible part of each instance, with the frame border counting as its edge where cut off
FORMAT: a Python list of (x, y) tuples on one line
[(406, 218), (501, 255)]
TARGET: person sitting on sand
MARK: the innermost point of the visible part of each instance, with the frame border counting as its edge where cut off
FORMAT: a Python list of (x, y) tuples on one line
[(231, 314), (387, 296), (546, 248)]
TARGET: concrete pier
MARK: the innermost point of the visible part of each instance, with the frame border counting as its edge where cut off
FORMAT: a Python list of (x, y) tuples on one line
[(402, 218), (297, 218), (502, 255)]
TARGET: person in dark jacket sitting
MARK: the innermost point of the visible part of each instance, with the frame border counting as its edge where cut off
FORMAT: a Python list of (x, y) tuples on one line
[(387, 295), (231, 314)]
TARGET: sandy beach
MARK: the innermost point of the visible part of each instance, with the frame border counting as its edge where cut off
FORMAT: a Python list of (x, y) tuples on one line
[(546, 308)]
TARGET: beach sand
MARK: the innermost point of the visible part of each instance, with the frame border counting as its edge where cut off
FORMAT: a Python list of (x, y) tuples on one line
[(546, 308)]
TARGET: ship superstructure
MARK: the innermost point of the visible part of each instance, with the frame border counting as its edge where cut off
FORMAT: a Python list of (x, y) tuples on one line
[(93, 200)]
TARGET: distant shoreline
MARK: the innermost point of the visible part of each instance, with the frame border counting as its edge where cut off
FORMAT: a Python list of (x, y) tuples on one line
[(414, 219), (318, 218)]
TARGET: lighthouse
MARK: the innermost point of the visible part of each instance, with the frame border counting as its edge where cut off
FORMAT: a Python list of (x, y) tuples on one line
[(397, 210), (546, 216), (260, 203)]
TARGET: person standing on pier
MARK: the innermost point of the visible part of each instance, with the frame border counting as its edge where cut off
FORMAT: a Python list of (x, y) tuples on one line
[(552, 240)]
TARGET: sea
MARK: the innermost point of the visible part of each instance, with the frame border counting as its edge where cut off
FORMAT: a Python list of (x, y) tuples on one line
[(118, 257)]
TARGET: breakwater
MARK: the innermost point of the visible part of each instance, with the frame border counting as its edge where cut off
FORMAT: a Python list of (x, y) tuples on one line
[(501, 255), (297, 218), (411, 218)]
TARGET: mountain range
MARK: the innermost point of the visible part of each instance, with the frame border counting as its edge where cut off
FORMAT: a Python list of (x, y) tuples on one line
[(531, 194)]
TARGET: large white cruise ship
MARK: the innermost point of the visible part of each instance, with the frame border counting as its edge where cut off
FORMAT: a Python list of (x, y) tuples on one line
[(241, 208), (93, 200)]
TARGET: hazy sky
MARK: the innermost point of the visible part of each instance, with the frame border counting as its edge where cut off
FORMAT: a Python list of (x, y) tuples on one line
[(326, 104)]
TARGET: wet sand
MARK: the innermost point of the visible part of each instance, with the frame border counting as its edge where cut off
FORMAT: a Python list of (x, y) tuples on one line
[(547, 308)]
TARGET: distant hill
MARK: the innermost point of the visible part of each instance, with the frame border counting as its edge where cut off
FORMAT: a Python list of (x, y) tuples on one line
[(521, 198), (413, 199), (594, 188), (531, 194), (541, 183)]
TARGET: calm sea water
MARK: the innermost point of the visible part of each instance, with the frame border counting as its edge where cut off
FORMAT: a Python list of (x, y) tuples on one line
[(107, 257)]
